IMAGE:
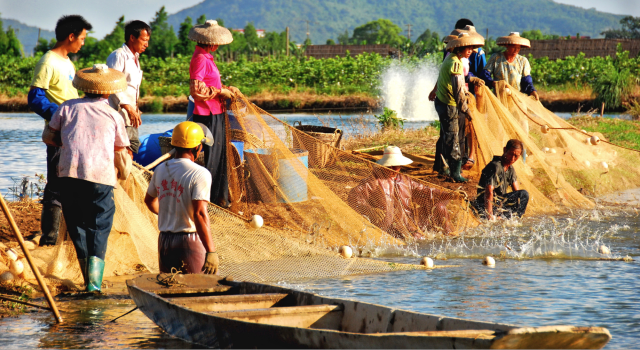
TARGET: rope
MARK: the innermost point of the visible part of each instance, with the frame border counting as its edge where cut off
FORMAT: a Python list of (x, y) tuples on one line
[(569, 128)]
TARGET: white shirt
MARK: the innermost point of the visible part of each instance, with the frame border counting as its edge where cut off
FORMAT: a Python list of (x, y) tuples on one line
[(125, 61), (176, 183)]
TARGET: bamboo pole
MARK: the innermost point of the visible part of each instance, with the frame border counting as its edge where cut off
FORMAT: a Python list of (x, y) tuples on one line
[(161, 159), (36, 272)]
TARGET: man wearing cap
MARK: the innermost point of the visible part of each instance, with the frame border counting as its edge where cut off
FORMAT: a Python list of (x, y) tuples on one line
[(209, 95), (92, 139), (51, 86), (510, 66), (126, 60), (179, 193), (451, 105), (396, 203), (493, 201)]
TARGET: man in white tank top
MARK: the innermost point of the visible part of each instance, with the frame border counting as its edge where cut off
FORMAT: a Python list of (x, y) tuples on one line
[(179, 193)]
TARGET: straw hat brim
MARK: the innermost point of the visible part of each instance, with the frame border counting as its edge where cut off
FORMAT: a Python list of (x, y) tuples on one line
[(394, 160), (100, 81), (513, 40), (210, 35), (474, 41), (448, 38)]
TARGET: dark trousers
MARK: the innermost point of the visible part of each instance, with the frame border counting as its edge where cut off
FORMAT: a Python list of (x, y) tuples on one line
[(89, 209), (448, 145), (51, 194), (510, 204), (182, 251), (134, 138), (215, 157)]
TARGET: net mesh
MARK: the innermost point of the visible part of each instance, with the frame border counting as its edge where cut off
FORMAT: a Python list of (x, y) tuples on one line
[(314, 197)]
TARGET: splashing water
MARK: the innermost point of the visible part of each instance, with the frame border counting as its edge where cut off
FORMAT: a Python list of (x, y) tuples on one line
[(405, 89)]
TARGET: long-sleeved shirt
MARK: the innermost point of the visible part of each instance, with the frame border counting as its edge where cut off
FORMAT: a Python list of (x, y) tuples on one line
[(516, 74), (125, 61), (203, 68)]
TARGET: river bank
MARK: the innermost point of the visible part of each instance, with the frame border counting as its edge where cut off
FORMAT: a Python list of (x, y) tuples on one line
[(553, 100)]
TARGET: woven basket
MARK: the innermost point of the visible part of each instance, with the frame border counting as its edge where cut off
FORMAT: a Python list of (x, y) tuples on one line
[(319, 156)]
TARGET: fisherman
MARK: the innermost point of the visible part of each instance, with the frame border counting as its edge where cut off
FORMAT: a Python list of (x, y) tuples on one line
[(398, 204), (92, 139), (179, 193), (210, 95), (478, 59), (451, 105), (510, 66), (51, 86), (126, 59), (493, 201)]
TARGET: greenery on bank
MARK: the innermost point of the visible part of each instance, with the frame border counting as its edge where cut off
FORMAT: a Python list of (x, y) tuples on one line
[(620, 132)]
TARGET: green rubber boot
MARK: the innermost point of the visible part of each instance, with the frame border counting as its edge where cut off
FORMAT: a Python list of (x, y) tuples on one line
[(456, 171), (95, 270), (83, 268)]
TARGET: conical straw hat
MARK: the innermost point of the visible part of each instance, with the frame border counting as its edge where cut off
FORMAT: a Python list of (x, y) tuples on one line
[(513, 39), (393, 157), (210, 33), (452, 36), (100, 79), (466, 39)]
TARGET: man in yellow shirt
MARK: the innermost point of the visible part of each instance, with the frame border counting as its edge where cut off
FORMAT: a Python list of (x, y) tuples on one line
[(51, 86)]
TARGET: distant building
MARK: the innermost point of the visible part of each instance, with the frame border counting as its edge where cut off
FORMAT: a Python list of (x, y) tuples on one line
[(561, 48), (331, 51), (261, 32)]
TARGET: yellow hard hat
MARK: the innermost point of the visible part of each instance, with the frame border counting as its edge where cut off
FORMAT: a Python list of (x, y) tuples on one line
[(190, 135)]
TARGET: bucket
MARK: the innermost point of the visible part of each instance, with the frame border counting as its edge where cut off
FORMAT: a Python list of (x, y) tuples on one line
[(320, 155), (278, 177)]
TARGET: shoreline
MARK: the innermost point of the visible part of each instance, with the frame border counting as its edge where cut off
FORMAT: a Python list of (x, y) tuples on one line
[(554, 101)]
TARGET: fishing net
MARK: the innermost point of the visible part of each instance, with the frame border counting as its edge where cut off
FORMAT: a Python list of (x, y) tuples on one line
[(314, 197)]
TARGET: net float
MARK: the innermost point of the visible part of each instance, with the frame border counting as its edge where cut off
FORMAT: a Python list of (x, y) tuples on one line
[(545, 150), (588, 140), (6, 276), (587, 163), (16, 267), (428, 262), (594, 140), (11, 254), (584, 131), (545, 129), (345, 251), (489, 261), (256, 221), (603, 249), (553, 150), (605, 165), (507, 91)]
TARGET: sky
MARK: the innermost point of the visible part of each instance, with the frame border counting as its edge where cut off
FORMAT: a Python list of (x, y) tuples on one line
[(103, 15)]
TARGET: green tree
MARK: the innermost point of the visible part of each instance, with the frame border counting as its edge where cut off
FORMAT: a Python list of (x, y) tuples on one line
[(251, 35), (43, 46), (101, 49), (14, 47), (382, 31), (220, 22), (202, 19), (330, 42), (185, 46), (536, 34), (163, 39), (630, 29), (343, 38)]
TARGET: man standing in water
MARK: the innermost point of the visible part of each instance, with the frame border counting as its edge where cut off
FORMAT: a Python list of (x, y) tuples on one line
[(179, 193), (493, 200), (126, 60), (51, 86)]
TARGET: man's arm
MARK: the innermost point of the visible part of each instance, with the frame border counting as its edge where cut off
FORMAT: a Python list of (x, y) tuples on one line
[(40, 104), (152, 203), (488, 201), (117, 61), (457, 84), (515, 186), (201, 219)]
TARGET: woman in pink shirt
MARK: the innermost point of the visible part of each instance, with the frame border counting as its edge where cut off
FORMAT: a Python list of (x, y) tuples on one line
[(209, 96)]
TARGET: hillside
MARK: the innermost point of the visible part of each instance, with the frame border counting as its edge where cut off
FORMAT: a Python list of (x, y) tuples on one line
[(333, 17), (27, 35)]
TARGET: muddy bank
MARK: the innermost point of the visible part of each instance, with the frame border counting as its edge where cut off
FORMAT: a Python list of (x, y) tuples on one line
[(270, 102)]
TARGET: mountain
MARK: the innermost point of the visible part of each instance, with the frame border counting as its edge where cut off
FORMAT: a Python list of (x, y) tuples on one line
[(27, 35), (329, 18)]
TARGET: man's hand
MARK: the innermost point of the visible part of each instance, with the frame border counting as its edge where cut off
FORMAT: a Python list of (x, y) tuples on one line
[(432, 95), (534, 94), (211, 263), (477, 81), (226, 93), (235, 91), (134, 115)]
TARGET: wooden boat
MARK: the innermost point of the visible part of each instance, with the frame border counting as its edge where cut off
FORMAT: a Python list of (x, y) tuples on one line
[(208, 311)]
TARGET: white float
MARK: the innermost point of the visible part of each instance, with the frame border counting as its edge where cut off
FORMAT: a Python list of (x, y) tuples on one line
[(546, 150), (587, 163), (256, 221), (489, 261), (605, 165), (553, 150), (345, 251), (428, 262), (16, 267), (11, 254), (6, 276), (594, 140), (544, 129), (603, 249)]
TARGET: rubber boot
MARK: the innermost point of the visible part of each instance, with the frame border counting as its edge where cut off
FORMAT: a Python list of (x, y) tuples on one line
[(50, 224), (83, 268), (95, 270), (456, 169)]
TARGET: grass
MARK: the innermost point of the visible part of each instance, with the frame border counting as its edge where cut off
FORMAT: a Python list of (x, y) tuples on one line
[(419, 142), (624, 133)]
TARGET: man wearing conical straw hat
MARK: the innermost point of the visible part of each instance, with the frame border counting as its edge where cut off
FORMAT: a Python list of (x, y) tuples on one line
[(92, 139), (510, 66), (210, 95), (451, 105), (397, 204)]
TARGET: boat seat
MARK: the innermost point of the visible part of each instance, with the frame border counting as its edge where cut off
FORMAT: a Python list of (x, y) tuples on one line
[(308, 316), (222, 303)]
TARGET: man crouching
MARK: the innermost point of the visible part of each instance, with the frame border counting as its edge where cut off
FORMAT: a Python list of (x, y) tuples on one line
[(179, 193), (493, 200)]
